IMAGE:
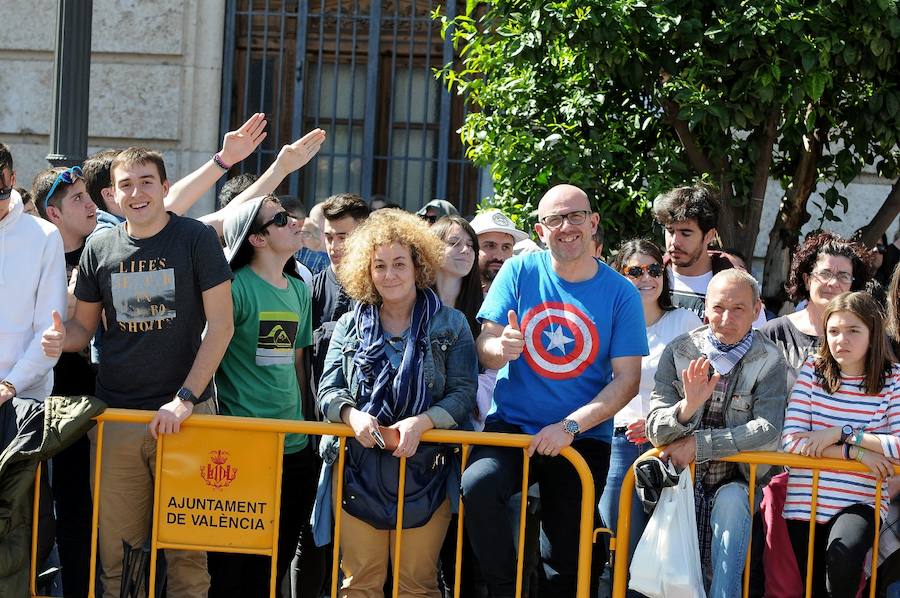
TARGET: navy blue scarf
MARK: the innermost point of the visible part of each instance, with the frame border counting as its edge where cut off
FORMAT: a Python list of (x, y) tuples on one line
[(393, 398)]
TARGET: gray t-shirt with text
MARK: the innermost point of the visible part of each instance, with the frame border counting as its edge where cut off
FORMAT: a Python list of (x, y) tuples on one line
[(151, 290)]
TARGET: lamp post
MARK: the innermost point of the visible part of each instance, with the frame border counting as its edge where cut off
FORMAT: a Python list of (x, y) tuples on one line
[(71, 84)]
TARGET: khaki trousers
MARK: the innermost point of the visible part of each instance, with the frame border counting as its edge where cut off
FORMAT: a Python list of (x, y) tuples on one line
[(126, 506), (366, 551)]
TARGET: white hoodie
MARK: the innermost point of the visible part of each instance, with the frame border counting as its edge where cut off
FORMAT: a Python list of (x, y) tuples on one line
[(32, 285)]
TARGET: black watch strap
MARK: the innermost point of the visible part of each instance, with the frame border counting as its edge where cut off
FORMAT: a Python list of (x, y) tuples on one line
[(846, 433), (185, 394)]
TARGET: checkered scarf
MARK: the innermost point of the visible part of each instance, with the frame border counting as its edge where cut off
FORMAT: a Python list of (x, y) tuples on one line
[(724, 357), (388, 396)]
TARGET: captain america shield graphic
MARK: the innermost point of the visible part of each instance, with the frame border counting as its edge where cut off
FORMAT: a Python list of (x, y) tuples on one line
[(560, 340)]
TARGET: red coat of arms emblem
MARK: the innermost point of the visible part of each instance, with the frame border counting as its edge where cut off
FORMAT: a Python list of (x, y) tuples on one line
[(218, 473)]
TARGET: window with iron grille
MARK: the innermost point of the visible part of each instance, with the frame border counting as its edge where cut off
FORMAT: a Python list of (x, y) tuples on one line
[(364, 73)]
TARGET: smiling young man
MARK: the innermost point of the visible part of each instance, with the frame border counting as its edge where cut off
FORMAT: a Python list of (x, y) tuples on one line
[(559, 325), (159, 279), (689, 216)]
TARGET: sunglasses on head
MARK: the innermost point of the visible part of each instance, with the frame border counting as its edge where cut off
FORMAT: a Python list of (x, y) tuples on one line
[(68, 176), (654, 270), (280, 220)]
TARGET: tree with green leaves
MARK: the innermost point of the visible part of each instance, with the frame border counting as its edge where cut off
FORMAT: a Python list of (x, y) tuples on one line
[(629, 98)]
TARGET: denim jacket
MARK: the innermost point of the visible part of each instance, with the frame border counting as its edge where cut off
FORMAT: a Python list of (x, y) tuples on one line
[(451, 369), (451, 376), (755, 401)]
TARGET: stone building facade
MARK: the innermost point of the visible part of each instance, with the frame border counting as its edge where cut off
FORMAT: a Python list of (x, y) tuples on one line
[(159, 69)]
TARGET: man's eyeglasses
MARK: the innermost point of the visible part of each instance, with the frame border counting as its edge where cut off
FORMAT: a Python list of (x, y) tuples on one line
[(827, 276), (555, 220), (68, 176), (280, 220), (654, 270)]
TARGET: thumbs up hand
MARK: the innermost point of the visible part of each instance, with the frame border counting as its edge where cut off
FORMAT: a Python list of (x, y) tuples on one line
[(53, 338), (512, 342)]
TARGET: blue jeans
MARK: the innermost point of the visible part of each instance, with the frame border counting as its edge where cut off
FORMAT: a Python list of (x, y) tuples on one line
[(622, 456), (493, 475), (730, 523)]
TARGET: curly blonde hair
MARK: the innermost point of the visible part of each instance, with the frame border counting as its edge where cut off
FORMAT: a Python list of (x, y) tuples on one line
[(384, 227)]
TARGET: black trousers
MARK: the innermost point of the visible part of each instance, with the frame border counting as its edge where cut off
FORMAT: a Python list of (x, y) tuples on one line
[(70, 478), (493, 475), (247, 575), (839, 552)]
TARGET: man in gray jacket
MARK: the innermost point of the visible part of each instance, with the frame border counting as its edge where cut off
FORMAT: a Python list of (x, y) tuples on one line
[(720, 390)]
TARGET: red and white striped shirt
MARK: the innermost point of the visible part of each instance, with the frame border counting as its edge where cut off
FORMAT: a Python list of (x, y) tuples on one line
[(811, 408)]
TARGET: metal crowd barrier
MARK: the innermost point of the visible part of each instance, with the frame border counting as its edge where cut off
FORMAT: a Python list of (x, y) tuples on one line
[(620, 541), (173, 459)]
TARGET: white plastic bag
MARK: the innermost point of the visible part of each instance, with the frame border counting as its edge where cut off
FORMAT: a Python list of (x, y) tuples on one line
[(666, 562)]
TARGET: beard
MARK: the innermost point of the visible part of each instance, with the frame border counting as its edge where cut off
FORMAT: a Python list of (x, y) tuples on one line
[(488, 274), (688, 259)]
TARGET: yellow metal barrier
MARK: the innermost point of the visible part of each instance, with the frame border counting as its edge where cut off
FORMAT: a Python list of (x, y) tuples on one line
[(753, 459), (282, 427)]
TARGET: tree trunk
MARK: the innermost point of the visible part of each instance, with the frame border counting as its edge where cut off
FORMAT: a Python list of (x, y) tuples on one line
[(747, 242), (792, 215), (882, 220)]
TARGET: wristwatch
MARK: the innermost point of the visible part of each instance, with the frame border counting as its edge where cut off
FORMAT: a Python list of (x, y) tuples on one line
[(571, 427), (846, 433), (185, 394)]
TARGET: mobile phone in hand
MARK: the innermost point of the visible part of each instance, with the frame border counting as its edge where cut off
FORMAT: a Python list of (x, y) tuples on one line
[(379, 439)]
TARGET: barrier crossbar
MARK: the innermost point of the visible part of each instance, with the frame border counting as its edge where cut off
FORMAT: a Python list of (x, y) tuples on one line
[(464, 439), (620, 540)]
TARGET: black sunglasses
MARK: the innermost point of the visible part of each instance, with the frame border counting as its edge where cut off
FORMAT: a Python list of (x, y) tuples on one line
[(280, 220), (654, 270)]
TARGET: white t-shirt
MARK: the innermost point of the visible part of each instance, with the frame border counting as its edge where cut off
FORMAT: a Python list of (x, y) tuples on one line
[(659, 334), (689, 292)]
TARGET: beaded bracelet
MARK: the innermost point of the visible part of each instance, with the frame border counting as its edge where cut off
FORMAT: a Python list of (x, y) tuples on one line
[(218, 160), (859, 453)]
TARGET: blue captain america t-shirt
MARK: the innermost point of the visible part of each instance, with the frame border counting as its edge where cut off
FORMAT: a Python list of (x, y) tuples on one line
[(572, 330)]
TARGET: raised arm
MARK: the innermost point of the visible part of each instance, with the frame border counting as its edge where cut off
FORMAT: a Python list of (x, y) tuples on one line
[(236, 146), (291, 157)]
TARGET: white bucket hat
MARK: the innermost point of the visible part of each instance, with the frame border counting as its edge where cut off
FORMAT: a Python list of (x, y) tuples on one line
[(495, 221)]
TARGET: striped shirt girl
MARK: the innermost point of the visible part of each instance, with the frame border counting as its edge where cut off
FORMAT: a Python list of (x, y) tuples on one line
[(811, 408)]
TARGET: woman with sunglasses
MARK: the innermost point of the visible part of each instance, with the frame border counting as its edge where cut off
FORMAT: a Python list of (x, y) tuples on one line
[(641, 262)]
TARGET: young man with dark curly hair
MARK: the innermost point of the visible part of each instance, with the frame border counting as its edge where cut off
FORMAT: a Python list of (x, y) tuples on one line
[(689, 215)]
